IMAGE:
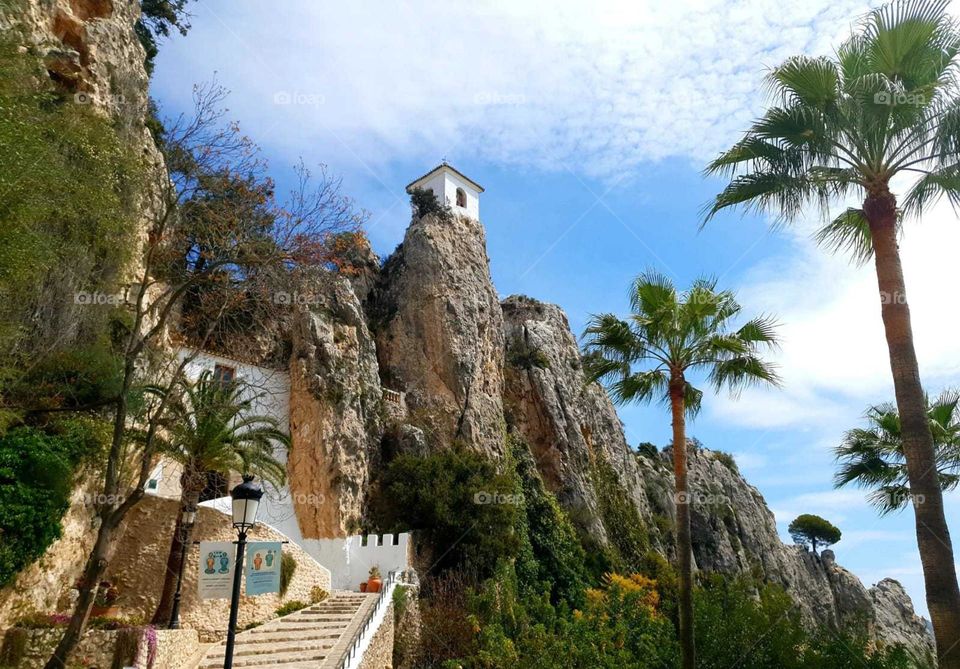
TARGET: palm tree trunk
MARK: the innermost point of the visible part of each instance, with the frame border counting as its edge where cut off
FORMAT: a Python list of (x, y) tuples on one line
[(682, 497), (933, 535), (191, 487)]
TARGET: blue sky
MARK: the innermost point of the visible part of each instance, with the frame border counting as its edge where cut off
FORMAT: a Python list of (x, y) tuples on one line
[(588, 124)]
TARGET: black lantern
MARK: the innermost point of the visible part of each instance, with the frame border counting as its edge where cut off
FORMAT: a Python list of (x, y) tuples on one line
[(246, 502)]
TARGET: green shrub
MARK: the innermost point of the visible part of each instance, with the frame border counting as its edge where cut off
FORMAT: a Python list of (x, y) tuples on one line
[(318, 594), (456, 500), (726, 459), (69, 182), (524, 356), (626, 531), (36, 480), (292, 606), (425, 203), (288, 565), (558, 561)]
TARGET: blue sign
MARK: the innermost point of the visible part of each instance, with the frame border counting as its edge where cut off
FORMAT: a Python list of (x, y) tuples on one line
[(263, 567)]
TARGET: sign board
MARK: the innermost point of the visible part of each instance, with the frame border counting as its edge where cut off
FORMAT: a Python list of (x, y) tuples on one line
[(263, 567), (215, 580)]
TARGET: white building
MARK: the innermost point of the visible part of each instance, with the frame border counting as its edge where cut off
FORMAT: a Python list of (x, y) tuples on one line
[(453, 188)]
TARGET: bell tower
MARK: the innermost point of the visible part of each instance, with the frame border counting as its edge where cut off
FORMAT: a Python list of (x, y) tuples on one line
[(452, 188)]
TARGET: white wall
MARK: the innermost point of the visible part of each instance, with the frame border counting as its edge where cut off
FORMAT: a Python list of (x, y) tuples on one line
[(444, 184), (349, 561), (270, 389)]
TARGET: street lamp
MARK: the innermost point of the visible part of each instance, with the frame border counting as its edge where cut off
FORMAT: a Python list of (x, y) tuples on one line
[(187, 519), (246, 502)]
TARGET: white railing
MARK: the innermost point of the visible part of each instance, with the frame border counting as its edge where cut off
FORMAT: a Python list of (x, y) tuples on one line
[(393, 396), (371, 624)]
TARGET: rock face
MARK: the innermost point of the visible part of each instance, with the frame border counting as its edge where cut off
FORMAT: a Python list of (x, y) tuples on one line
[(439, 332), (335, 414), (567, 423), (734, 532)]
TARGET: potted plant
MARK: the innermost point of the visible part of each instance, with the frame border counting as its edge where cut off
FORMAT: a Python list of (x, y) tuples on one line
[(104, 605), (374, 582)]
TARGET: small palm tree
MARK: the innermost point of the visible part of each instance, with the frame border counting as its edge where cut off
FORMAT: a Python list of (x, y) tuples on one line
[(210, 429), (872, 456), (649, 356), (886, 105)]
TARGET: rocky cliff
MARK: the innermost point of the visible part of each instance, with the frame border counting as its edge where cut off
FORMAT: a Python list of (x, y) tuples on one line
[(439, 332), (335, 412), (476, 365)]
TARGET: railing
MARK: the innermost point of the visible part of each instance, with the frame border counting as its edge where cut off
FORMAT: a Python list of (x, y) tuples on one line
[(353, 653), (393, 396)]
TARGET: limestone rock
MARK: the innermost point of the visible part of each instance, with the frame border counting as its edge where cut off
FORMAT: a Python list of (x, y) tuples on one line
[(566, 422), (335, 413), (439, 332)]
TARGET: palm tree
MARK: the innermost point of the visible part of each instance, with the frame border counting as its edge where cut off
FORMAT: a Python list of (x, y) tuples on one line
[(885, 105), (872, 456), (649, 356), (210, 429)]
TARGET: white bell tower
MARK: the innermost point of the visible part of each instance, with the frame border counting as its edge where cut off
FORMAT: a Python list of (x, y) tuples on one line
[(453, 188)]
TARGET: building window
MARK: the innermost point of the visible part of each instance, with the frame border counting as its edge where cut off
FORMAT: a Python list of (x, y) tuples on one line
[(224, 374), (461, 198)]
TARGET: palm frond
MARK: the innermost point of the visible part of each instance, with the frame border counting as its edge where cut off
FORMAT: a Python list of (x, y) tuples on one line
[(848, 232)]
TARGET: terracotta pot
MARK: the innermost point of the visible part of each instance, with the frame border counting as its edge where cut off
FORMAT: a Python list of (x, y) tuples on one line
[(373, 585), (363, 587), (105, 612)]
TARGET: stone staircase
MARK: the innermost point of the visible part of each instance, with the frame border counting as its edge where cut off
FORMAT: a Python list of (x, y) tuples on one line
[(316, 637)]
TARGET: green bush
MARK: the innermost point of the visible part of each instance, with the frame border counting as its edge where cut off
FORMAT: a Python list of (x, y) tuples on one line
[(457, 501), (36, 480), (727, 461), (292, 606), (288, 565), (69, 182), (627, 533), (558, 562)]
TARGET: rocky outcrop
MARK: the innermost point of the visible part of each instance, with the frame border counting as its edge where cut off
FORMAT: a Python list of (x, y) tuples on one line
[(567, 423), (439, 332), (734, 532), (335, 413)]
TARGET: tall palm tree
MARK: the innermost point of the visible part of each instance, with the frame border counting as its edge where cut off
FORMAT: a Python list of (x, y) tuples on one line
[(885, 105), (210, 429), (669, 335), (872, 456)]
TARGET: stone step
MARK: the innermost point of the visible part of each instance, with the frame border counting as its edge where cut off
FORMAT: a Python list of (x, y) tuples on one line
[(304, 659), (288, 635), (274, 648)]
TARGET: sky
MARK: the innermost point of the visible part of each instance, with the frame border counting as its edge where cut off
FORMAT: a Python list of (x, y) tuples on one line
[(589, 124)]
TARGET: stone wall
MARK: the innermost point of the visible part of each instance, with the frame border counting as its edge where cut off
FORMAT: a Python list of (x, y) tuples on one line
[(40, 586), (140, 561), (175, 649), (379, 654)]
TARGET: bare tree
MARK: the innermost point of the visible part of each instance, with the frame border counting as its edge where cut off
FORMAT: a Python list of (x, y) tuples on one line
[(215, 227)]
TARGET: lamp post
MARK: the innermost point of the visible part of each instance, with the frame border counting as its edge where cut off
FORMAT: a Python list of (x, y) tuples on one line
[(187, 519), (246, 502)]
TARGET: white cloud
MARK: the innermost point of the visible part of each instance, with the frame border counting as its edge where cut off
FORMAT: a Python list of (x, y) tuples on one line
[(601, 88), (834, 359)]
